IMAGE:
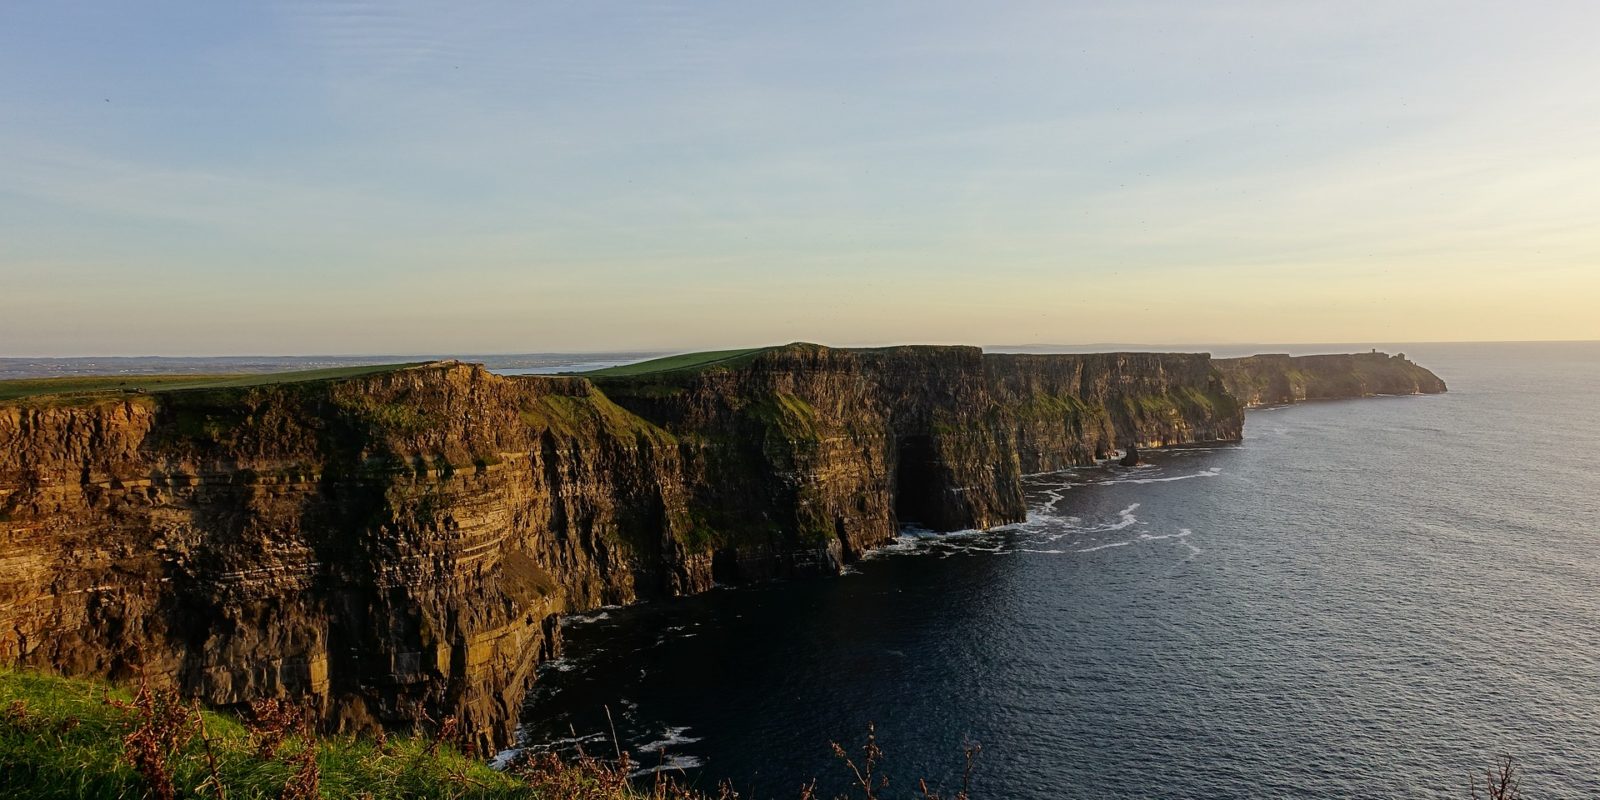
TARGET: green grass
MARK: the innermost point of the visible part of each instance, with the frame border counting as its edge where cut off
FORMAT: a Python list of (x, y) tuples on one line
[(93, 385), (1053, 407), (686, 361), (581, 415), (401, 418), (60, 739), (793, 417)]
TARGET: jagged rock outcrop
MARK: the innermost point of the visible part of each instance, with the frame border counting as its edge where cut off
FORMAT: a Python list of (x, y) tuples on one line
[(403, 543), (1276, 379)]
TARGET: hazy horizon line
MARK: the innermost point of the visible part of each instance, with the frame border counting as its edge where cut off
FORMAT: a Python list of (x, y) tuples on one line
[(674, 351)]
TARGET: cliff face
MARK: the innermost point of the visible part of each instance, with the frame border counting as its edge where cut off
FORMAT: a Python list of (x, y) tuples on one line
[(813, 456), (830, 451), (379, 546), (1069, 410), (1278, 379), (402, 543)]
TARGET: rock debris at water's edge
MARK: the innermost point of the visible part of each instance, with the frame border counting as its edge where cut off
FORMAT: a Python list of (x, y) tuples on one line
[(403, 542)]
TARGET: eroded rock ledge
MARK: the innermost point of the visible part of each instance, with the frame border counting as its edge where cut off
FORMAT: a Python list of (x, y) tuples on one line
[(403, 543)]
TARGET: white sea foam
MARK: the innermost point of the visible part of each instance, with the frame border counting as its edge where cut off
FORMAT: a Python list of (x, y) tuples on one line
[(504, 758), (1209, 473), (901, 544), (671, 737), (1055, 498), (670, 763), (968, 533), (913, 539), (1104, 546), (1040, 533), (1150, 537), (604, 612), (1125, 518)]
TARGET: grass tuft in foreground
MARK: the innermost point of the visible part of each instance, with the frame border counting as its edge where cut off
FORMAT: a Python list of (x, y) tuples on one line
[(63, 738)]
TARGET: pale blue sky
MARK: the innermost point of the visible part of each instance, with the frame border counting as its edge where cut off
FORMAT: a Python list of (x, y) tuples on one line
[(213, 178)]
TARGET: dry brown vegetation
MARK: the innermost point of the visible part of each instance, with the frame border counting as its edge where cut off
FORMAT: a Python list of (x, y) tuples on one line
[(1500, 782)]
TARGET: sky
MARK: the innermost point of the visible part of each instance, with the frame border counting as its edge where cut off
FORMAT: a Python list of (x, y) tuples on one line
[(203, 178)]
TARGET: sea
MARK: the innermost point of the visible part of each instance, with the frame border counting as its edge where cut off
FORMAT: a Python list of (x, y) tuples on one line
[(1365, 598)]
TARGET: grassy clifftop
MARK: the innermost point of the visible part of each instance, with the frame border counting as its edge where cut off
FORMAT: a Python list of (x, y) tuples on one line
[(96, 385), (683, 362)]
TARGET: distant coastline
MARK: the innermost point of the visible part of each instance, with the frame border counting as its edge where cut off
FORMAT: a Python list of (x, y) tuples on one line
[(511, 364)]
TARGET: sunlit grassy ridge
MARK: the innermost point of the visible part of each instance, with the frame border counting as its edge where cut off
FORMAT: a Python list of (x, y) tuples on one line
[(686, 361), (86, 385)]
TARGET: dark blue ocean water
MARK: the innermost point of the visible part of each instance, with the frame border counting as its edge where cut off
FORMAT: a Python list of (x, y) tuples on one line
[(1364, 599)]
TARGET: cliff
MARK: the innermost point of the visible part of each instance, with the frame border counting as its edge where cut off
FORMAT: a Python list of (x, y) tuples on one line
[(822, 454), (1070, 410), (1279, 379), (402, 542), (381, 546)]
